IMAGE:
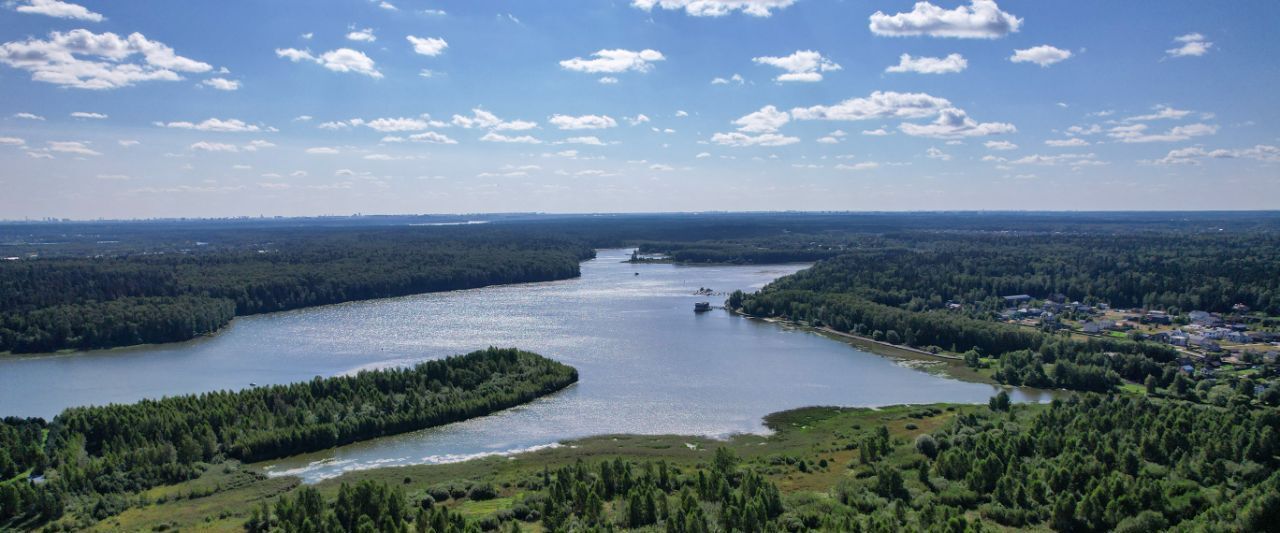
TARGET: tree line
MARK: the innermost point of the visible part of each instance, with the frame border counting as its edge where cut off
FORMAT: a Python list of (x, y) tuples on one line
[(177, 294), (101, 453)]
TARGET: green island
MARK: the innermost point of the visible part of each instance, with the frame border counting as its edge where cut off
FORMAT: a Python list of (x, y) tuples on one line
[(93, 460)]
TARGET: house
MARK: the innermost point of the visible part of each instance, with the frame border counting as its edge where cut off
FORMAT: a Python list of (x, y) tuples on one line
[(1097, 326), (1204, 318), (1240, 337), (1240, 308), (1203, 342), (1016, 299), (1156, 317)]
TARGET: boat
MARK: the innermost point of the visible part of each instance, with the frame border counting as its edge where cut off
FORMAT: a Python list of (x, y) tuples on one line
[(701, 307)]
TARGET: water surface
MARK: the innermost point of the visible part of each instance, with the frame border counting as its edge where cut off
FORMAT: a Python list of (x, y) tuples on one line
[(647, 363)]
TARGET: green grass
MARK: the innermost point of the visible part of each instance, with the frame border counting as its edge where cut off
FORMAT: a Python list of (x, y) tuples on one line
[(810, 434)]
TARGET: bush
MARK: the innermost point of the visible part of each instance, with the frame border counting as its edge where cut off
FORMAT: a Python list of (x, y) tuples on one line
[(927, 446), (482, 492)]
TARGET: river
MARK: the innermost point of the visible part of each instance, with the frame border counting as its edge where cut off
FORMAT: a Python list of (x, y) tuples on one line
[(647, 363)]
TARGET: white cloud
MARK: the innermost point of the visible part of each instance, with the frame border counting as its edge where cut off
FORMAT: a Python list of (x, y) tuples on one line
[(483, 119), (584, 122), (608, 80), (432, 137), (323, 150), (935, 153), (214, 124), (981, 19), (637, 120), (702, 155), (614, 61), (929, 65), (1191, 45), (1137, 133), (256, 145), (84, 114), (1192, 155), (878, 132), (12, 141), (28, 116), (879, 105), (954, 123), (388, 6), (716, 8), (736, 78), (742, 139), (222, 84), (499, 138), (589, 140), (661, 167), (86, 60), (1067, 143), (340, 60), (116, 177), (1092, 129), (427, 46), (59, 9), (865, 165), (365, 36), (833, 137), (391, 124), (803, 65), (1162, 112), (1074, 160), (1000, 145), (127, 142), (767, 120), (205, 146), (1043, 55)]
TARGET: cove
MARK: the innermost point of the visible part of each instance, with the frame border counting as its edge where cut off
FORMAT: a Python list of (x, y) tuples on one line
[(648, 364)]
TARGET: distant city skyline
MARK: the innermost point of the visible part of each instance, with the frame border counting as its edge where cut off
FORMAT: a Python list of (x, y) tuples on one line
[(153, 109)]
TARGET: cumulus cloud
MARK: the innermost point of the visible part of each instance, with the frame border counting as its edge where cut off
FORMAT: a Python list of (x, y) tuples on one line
[(716, 8), (432, 137), (323, 150), (736, 78), (865, 165), (954, 123), (88, 115), (1000, 145), (1190, 45), (500, 138), (637, 120), (930, 65), (1137, 133), (205, 146), (767, 120), (1193, 155), (340, 60), (427, 46), (934, 153), (803, 65), (614, 61), (365, 36), (1073, 160), (222, 84), (880, 104), (588, 140), (85, 60), (1162, 112), (741, 139), (981, 19), (1043, 55), (485, 120), (28, 116), (878, 132), (584, 122), (1066, 143), (59, 9), (214, 124), (12, 141)]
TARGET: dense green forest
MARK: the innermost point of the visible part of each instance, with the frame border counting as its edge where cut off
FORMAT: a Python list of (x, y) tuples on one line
[(98, 302), (1088, 463), (97, 455)]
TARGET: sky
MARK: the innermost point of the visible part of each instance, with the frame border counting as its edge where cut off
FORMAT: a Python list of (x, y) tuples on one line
[(152, 108)]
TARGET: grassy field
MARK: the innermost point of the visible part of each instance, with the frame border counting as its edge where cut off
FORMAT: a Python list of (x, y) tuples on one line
[(808, 453)]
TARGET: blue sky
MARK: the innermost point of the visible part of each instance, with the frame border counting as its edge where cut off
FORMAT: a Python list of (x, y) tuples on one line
[(156, 109)]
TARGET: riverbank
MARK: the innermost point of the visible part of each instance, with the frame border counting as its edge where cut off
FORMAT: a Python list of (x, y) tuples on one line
[(223, 498)]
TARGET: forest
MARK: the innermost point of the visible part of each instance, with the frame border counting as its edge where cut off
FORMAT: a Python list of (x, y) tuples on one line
[(97, 455), (160, 292), (1087, 463)]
